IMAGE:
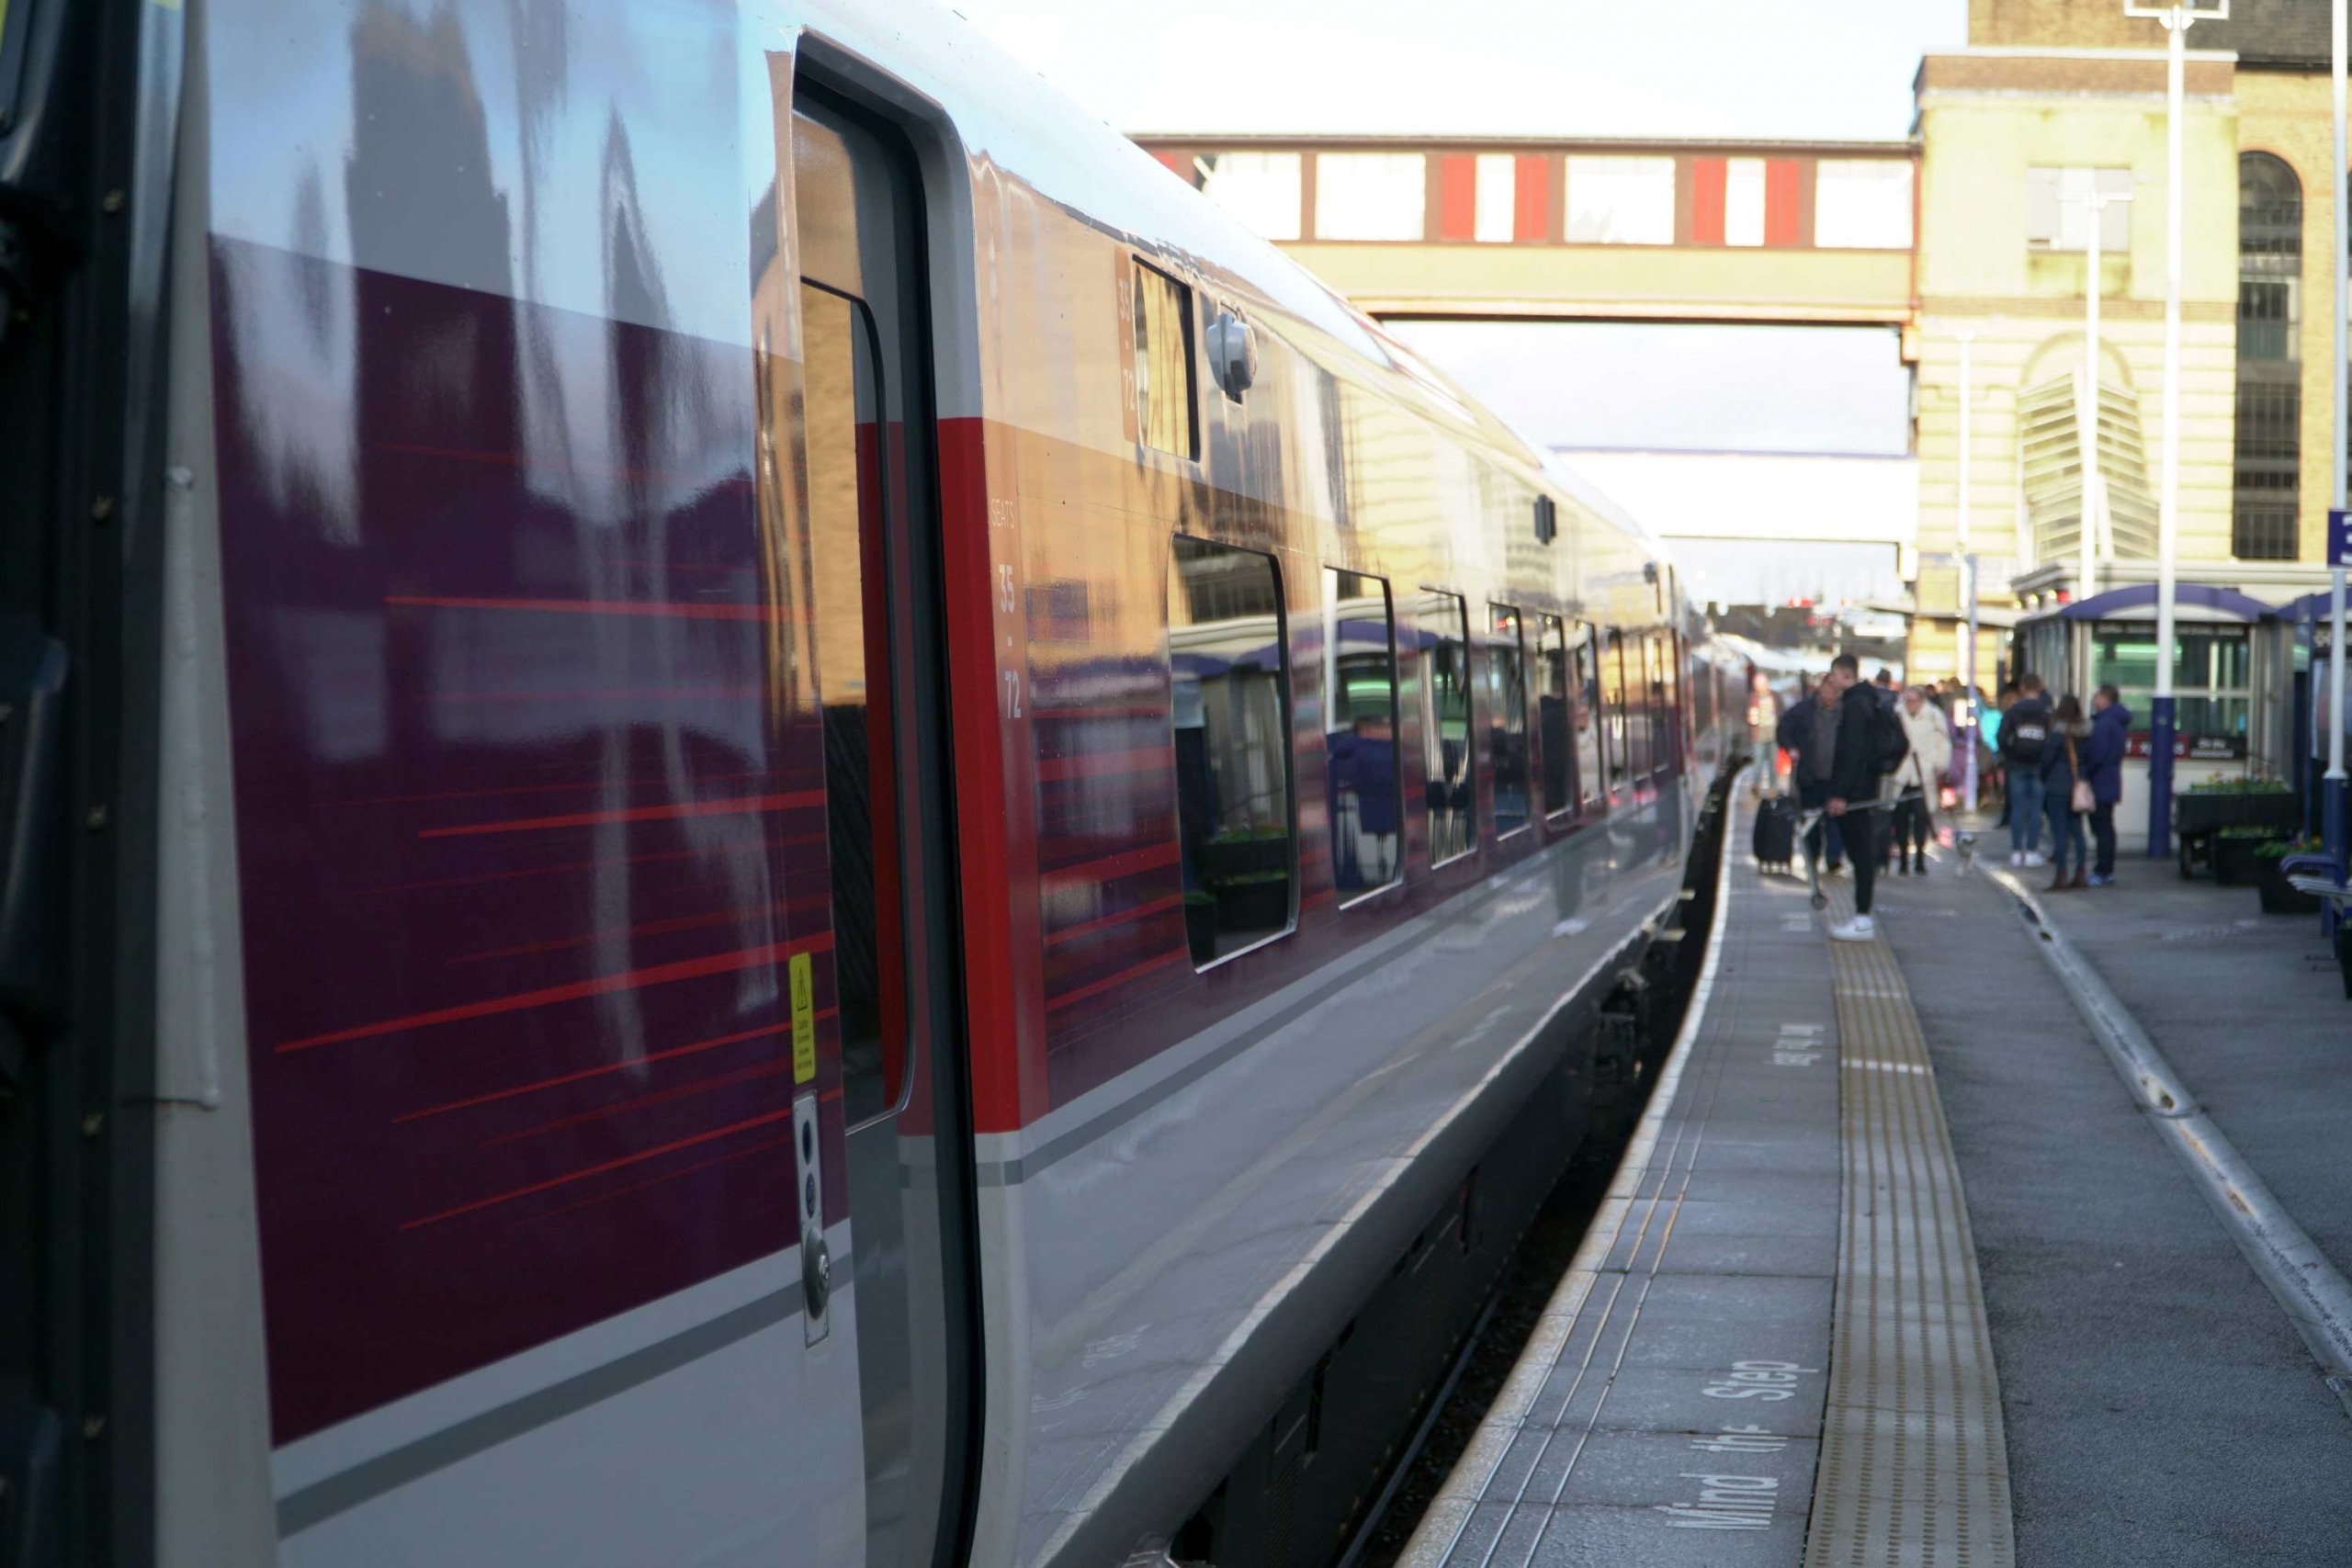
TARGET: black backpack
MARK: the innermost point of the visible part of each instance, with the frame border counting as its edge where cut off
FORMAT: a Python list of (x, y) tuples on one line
[(2023, 735), (1889, 744)]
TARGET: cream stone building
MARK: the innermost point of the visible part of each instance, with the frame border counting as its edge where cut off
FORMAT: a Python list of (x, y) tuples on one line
[(2052, 119)]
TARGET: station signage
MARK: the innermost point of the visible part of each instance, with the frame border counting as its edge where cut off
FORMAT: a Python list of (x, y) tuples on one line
[(2191, 748)]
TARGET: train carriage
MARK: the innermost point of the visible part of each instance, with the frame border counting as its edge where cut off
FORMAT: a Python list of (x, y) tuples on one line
[(833, 833)]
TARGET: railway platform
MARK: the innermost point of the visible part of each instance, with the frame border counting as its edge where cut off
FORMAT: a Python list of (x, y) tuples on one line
[(1911, 1261)]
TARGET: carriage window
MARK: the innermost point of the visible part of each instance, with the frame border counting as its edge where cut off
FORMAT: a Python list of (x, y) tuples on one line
[(1585, 713), (1445, 678), (1617, 721), (1359, 659), (1641, 707), (1230, 688), (1555, 713), (1506, 717), (1163, 326)]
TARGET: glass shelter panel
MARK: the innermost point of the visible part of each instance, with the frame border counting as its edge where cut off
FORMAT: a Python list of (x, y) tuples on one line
[(1359, 655), (2212, 678), (1230, 728), (1450, 794)]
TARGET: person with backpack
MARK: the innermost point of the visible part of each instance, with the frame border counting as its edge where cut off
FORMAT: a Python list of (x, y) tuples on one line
[(1845, 742), (2024, 738), (2062, 777)]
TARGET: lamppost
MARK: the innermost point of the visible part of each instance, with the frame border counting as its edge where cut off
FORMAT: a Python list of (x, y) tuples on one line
[(2178, 20), (1967, 336)]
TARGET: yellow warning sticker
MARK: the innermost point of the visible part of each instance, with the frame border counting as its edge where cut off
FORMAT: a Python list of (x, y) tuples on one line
[(804, 1019)]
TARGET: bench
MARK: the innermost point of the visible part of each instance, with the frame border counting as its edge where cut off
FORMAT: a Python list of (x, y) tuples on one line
[(2323, 876)]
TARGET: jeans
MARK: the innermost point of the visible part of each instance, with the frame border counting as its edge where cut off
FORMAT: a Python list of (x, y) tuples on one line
[(2024, 811), (2065, 829), (2103, 832)]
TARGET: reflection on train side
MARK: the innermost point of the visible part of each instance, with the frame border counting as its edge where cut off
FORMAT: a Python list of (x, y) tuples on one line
[(1230, 712)]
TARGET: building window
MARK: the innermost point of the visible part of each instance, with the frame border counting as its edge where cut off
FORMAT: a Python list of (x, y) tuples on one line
[(1229, 721), (1861, 204), (1478, 196), (1359, 658), (1163, 329), (1620, 201), (1506, 657), (1370, 195), (2058, 210), (1445, 680), (2264, 507), (1259, 190), (1743, 202)]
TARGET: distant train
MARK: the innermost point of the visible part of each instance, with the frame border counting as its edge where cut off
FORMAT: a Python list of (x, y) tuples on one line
[(790, 820)]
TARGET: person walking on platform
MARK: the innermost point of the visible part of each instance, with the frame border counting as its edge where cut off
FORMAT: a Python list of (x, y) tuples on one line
[(1927, 755), (2062, 770), (1763, 726), (2025, 741), (2103, 766), (1842, 744)]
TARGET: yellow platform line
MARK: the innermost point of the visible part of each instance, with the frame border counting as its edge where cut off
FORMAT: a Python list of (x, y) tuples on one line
[(1913, 1466)]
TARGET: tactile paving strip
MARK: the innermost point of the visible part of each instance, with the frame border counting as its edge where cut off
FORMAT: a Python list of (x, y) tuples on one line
[(1914, 1468)]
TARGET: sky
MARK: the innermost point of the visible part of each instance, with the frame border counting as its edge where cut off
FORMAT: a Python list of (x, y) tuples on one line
[(1815, 69)]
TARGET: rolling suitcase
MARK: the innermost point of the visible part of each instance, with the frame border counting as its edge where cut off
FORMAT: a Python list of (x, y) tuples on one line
[(1774, 840)]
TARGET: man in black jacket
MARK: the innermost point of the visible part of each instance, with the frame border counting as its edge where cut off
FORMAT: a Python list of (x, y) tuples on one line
[(1834, 745)]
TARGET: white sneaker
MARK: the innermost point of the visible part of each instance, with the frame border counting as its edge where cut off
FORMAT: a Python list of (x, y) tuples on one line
[(2034, 858), (2017, 857), (1860, 929)]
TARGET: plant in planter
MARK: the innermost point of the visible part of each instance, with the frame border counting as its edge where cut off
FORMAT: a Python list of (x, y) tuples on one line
[(2235, 850), (2281, 896)]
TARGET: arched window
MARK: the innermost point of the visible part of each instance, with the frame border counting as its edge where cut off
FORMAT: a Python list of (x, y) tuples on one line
[(2270, 404)]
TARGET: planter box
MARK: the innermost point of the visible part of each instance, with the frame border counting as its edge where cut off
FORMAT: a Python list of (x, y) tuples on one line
[(2281, 896), (2194, 813), (2235, 861)]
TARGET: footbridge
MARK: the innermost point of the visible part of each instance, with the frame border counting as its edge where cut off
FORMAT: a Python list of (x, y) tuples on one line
[(1813, 233)]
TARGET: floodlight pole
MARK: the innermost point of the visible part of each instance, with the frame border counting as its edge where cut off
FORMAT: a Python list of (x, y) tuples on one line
[(2176, 19)]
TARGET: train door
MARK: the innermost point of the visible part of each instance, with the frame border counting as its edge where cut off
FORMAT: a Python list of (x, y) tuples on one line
[(861, 577)]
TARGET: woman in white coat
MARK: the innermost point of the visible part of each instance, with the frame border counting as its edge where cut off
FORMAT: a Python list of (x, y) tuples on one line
[(1915, 780)]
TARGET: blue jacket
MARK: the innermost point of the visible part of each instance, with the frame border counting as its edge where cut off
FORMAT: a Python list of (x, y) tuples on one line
[(2102, 754)]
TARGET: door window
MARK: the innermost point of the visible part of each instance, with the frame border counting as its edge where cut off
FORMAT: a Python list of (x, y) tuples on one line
[(1229, 715), (1359, 656), (1506, 717), (1449, 797)]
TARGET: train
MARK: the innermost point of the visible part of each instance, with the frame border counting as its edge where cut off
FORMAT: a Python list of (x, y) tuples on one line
[(761, 810)]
